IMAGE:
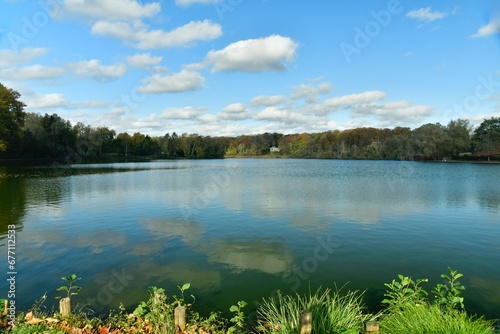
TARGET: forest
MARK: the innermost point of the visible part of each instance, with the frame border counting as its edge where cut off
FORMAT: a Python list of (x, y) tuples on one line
[(32, 136)]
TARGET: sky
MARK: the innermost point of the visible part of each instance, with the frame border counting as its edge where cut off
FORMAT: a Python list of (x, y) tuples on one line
[(234, 67)]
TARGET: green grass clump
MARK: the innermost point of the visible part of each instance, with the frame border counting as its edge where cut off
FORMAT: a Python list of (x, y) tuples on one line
[(429, 318), (331, 312)]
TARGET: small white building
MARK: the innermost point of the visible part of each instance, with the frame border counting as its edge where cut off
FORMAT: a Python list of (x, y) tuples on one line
[(274, 149)]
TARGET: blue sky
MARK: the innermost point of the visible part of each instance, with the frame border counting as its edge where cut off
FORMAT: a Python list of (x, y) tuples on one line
[(231, 67)]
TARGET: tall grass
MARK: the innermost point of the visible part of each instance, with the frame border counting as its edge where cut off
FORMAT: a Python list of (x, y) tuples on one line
[(429, 318), (331, 312)]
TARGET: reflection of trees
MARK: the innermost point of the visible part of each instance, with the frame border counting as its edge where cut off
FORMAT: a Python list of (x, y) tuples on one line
[(12, 202)]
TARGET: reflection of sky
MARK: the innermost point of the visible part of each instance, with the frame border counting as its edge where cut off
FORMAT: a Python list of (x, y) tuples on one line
[(261, 218)]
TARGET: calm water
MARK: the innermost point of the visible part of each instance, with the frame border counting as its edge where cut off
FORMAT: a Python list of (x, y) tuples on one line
[(240, 229)]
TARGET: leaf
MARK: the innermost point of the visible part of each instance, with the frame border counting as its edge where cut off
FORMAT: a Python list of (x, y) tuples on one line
[(72, 277), (62, 288), (186, 286), (233, 308)]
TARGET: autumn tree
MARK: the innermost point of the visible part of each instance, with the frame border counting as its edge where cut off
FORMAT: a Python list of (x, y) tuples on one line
[(11, 120), (487, 137)]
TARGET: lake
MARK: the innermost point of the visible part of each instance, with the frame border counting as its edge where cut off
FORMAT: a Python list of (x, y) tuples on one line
[(239, 229)]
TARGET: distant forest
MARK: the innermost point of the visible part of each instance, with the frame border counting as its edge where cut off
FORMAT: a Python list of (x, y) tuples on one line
[(32, 136)]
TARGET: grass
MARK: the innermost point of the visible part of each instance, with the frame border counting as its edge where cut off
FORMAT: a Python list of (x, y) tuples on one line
[(331, 312), (429, 318), (408, 310)]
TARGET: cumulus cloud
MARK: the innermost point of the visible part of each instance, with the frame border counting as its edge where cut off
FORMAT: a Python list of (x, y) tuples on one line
[(9, 57), (91, 105), (182, 113), (425, 15), (138, 34), (491, 28), (174, 83), (93, 68), (267, 101), (142, 60), (393, 113), (45, 101), (32, 72), (346, 101), (234, 111), (309, 92), (108, 9), (254, 55)]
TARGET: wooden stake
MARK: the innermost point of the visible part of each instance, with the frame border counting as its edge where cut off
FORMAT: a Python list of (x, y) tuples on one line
[(305, 322), (65, 306), (372, 327), (180, 318)]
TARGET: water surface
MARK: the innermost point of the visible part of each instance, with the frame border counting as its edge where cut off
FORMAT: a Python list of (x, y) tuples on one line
[(238, 229)]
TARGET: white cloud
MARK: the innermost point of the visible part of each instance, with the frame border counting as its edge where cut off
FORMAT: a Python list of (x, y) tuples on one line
[(235, 111), (274, 114), (186, 3), (91, 105), (139, 35), (93, 68), (182, 113), (9, 57), (108, 9), (143, 60), (254, 55), (32, 72), (44, 101), (267, 101), (175, 83), (478, 119), (309, 92), (393, 113), (425, 15), (347, 101), (491, 28)]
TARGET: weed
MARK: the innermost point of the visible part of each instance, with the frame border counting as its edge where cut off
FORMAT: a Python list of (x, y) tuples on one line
[(238, 318), (70, 288)]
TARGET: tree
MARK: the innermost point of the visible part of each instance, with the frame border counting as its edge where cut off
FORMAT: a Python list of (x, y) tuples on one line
[(459, 134), (11, 119), (487, 137), (431, 141)]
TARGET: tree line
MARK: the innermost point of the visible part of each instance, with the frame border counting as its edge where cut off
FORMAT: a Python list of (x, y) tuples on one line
[(456, 140), (25, 135)]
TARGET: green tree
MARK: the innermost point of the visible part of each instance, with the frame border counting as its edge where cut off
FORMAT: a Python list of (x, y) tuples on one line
[(61, 136), (431, 141), (459, 133), (487, 137), (11, 120)]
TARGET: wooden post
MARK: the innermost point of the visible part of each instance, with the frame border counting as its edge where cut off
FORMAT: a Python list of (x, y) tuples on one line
[(5, 306), (65, 306), (372, 327), (180, 318), (305, 322)]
